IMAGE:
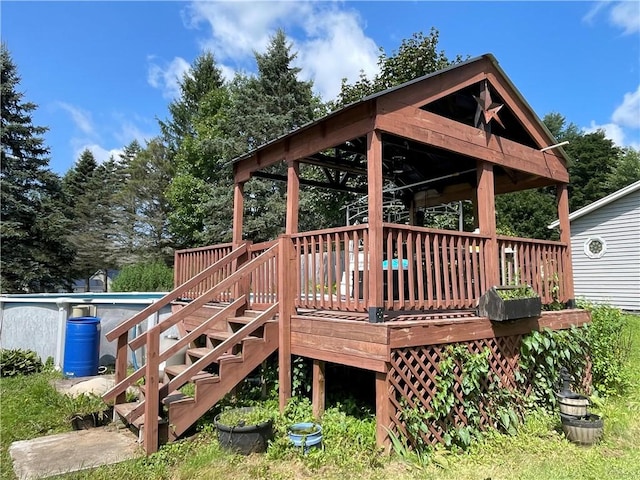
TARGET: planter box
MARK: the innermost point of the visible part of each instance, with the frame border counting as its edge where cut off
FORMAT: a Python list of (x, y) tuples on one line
[(492, 305)]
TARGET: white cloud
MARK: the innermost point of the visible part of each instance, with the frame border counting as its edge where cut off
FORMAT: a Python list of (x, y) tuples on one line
[(81, 118), (624, 15), (334, 44), (167, 77), (337, 48), (100, 153), (612, 131), (628, 113), (240, 28)]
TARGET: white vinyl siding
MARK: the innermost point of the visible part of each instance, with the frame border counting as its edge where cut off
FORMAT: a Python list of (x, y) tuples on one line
[(615, 276)]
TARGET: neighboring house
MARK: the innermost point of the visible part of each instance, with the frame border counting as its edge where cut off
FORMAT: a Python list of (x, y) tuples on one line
[(98, 282), (605, 244)]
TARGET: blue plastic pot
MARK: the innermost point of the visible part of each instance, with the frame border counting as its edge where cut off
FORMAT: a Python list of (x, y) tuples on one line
[(306, 435)]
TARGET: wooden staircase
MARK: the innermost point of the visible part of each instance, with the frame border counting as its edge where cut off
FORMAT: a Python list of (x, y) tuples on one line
[(224, 345)]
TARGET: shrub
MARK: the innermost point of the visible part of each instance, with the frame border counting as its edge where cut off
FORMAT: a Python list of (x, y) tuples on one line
[(19, 362), (144, 277), (609, 340)]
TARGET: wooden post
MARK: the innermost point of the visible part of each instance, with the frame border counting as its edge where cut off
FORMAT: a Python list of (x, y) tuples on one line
[(238, 212), (318, 389), (152, 394), (562, 195), (286, 299), (374, 190), (122, 361), (293, 197), (383, 413), (487, 221)]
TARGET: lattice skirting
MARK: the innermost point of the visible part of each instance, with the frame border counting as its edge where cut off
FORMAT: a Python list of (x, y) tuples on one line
[(413, 370)]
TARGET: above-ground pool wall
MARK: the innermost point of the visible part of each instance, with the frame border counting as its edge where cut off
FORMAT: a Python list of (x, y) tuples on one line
[(31, 326), (38, 322)]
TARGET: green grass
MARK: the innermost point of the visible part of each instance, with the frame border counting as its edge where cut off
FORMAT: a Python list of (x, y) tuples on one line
[(539, 451)]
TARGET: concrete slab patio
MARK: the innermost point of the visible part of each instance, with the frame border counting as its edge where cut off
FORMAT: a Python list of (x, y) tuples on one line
[(73, 451)]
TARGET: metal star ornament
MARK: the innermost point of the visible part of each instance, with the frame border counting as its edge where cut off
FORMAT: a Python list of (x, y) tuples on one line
[(487, 110)]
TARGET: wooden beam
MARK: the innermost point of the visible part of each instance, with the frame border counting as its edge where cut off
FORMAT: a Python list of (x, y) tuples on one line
[(293, 197), (318, 389), (416, 333), (440, 85), (487, 222), (286, 298), (383, 410), (565, 236), (374, 199), (238, 212), (426, 127), (339, 128), (365, 363), (312, 183)]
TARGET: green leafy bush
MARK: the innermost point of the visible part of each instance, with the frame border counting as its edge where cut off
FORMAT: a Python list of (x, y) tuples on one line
[(144, 277), (543, 354), (19, 362), (609, 339)]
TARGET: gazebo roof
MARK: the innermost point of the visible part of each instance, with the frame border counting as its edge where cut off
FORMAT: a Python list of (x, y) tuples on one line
[(434, 129)]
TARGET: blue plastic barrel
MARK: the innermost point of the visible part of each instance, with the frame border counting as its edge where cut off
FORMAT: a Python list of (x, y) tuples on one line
[(82, 347)]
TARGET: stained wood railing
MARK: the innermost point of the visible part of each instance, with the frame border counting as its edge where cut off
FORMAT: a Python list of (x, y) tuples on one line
[(432, 269), (333, 271), (151, 339), (422, 268), (538, 263), (188, 263)]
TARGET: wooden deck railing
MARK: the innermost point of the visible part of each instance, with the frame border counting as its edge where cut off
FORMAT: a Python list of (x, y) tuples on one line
[(538, 263), (188, 263), (422, 268), (333, 271), (432, 269)]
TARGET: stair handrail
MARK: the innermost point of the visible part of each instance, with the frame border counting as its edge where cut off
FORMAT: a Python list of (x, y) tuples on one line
[(152, 337), (183, 377), (127, 325), (174, 348)]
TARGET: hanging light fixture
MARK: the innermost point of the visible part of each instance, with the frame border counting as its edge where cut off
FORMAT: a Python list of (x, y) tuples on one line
[(397, 164)]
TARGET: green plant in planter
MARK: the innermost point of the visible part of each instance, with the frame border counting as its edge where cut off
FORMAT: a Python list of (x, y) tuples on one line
[(240, 417), (85, 406), (513, 293)]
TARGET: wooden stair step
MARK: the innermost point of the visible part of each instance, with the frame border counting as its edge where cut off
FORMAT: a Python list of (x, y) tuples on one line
[(125, 409), (224, 335), (175, 370)]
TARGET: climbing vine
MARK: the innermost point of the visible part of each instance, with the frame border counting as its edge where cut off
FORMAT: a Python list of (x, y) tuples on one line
[(466, 387), (542, 355)]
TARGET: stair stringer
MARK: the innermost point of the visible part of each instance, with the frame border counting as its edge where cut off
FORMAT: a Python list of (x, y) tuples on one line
[(185, 412)]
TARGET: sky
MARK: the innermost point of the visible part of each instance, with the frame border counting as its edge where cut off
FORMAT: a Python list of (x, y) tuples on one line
[(103, 73)]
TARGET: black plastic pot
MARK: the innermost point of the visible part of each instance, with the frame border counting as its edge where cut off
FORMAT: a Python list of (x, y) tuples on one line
[(244, 439)]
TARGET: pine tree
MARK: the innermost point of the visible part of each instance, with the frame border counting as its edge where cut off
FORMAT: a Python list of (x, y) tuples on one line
[(35, 252), (89, 190), (263, 108)]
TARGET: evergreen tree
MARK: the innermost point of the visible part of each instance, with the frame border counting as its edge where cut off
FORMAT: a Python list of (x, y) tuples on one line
[(200, 191), (417, 56), (263, 108), (35, 252), (89, 189), (593, 158), (149, 174)]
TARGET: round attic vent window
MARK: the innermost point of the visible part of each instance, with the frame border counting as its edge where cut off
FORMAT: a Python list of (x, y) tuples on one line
[(595, 247)]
